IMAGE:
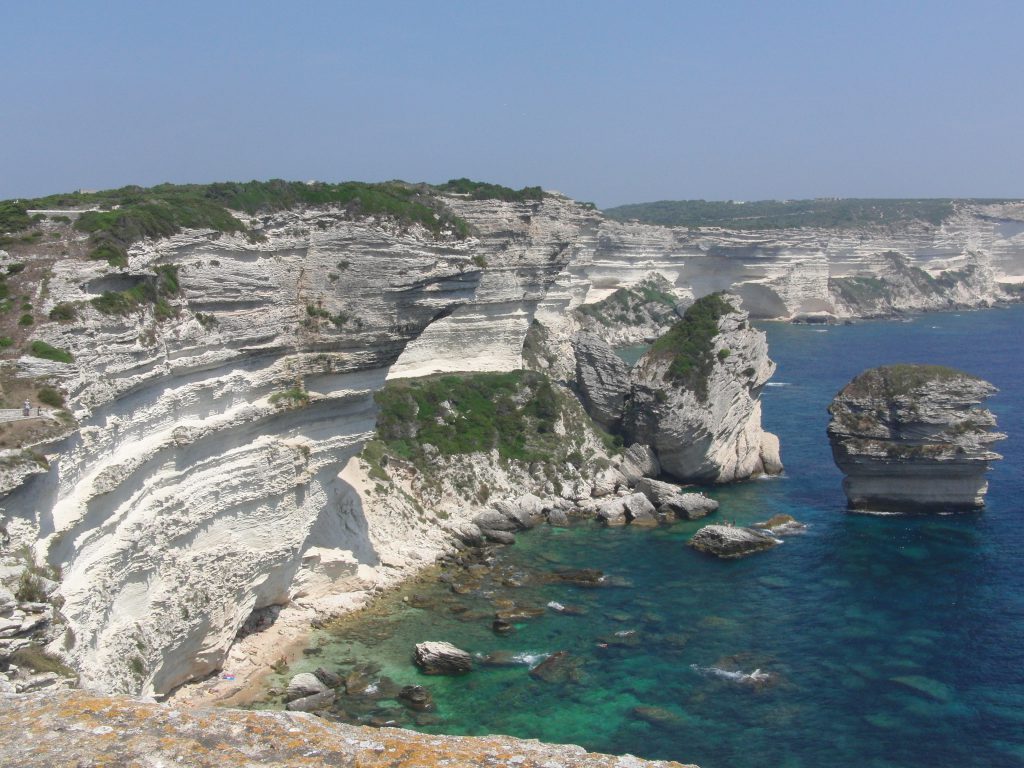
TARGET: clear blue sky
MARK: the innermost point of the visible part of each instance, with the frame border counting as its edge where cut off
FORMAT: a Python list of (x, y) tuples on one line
[(612, 102)]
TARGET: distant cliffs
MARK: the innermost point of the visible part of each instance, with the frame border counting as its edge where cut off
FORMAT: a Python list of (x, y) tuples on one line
[(912, 438)]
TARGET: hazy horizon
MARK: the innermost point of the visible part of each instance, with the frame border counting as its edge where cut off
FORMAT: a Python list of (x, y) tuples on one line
[(659, 101)]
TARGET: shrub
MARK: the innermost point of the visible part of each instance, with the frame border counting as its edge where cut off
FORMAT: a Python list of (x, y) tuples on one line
[(39, 661), (50, 396), (30, 588), (15, 267), (689, 343), (294, 397), (46, 352), (6, 341), (64, 312), (26, 319)]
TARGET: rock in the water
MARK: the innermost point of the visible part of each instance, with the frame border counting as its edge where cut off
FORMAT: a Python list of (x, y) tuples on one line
[(623, 509), (657, 716), (439, 658), (328, 678), (912, 438), (670, 500), (558, 518), (304, 684), (695, 397), (602, 377), (498, 537), (780, 524), (728, 541), (559, 667), (417, 698), (502, 627), (311, 703), (493, 520)]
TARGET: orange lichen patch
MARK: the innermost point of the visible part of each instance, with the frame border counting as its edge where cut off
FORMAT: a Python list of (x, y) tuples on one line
[(73, 728)]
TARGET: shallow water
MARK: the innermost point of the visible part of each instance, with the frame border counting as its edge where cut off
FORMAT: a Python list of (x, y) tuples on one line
[(880, 641)]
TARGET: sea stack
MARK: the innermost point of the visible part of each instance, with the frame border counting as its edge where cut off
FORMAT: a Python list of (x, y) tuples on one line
[(911, 438)]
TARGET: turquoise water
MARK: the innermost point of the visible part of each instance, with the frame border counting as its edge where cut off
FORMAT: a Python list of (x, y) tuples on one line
[(890, 641)]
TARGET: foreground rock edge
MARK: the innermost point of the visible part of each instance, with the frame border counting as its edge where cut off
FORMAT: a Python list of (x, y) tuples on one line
[(77, 727)]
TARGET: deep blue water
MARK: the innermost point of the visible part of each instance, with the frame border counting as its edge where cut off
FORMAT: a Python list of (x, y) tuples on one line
[(895, 641)]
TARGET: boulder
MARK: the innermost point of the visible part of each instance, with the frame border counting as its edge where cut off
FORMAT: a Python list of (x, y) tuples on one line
[(602, 379), (440, 658), (311, 703), (608, 481), (468, 533), (493, 520), (328, 678), (638, 508), (637, 462), (728, 541), (7, 601), (498, 537), (558, 518), (559, 667), (302, 685), (913, 438), (525, 512), (417, 698), (612, 512)]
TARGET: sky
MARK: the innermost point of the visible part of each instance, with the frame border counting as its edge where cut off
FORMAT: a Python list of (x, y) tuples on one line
[(609, 102)]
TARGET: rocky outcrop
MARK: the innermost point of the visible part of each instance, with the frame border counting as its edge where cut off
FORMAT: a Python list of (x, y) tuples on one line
[(912, 438), (602, 379), (695, 397), (82, 728), (670, 501), (729, 542)]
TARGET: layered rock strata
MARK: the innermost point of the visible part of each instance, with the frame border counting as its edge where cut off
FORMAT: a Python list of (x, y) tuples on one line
[(695, 397), (260, 366), (913, 438)]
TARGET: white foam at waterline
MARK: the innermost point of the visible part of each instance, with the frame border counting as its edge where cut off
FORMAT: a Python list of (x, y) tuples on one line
[(556, 606), (372, 688), (778, 384), (737, 677)]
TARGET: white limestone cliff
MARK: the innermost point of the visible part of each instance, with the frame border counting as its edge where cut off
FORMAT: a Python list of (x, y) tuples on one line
[(206, 483)]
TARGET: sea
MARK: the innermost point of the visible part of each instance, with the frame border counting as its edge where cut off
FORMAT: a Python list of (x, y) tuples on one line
[(867, 640)]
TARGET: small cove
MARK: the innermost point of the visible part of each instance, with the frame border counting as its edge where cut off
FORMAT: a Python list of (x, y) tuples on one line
[(892, 641)]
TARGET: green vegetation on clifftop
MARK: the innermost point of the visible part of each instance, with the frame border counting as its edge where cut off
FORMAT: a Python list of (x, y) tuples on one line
[(481, 190), (832, 213), (690, 343)]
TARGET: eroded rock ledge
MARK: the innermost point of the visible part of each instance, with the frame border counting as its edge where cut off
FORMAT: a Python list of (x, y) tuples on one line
[(76, 728), (911, 438)]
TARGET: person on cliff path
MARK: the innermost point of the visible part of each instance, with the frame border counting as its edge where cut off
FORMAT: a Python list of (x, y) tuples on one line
[(26, 408)]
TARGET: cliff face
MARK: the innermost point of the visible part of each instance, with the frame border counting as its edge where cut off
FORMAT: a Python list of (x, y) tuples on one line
[(912, 437), (222, 383), (695, 397)]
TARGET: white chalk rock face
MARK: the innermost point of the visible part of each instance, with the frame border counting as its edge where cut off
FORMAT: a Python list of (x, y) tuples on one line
[(696, 397)]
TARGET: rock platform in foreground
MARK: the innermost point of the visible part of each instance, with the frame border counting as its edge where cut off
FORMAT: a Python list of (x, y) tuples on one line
[(77, 728), (911, 438)]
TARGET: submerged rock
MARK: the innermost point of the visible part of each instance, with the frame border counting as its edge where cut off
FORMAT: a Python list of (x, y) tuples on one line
[(780, 524), (728, 541), (659, 717), (559, 667), (912, 438), (417, 698), (440, 658)]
